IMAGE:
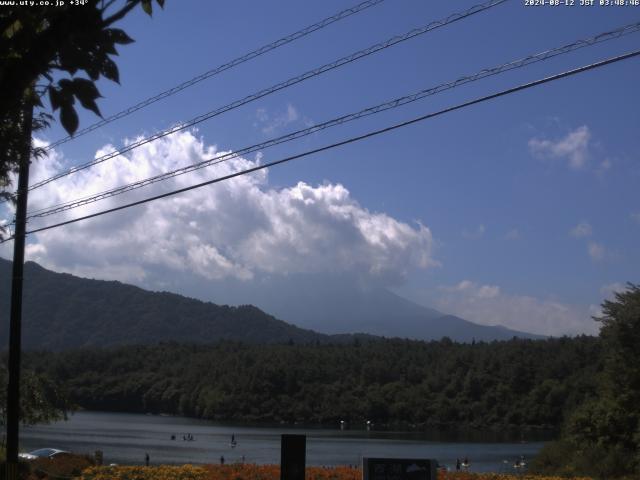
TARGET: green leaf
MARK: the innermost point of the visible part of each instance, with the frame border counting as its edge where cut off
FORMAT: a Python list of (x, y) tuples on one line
[(69, 118), (55, 97), (91, 104), (71, 59), (85, 87), (118, 36), (12, 29), (65, 83), (93, 69), (107, 45), (66, 90), (86, 92), (147, 7), (110, 70)]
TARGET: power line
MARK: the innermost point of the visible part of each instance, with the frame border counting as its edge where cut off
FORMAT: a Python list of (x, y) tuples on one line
[(221, 68), (348, 141), (285, 84), (487, 72)]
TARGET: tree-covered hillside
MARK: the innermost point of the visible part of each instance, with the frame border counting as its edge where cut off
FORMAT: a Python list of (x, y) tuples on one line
[(63, 311), (520, 382)]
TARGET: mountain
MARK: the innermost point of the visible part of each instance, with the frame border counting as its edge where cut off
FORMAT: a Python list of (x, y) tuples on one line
[(334, 304), (62, 311)]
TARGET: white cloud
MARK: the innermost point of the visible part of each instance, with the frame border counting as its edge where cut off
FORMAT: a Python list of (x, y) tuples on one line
[(611, 288), (608, 292), (583, 229), (596, 251), (270, 123), (234, 229), (489, 305), (595, 311), (478, 232), (574, 147), (473, 290)]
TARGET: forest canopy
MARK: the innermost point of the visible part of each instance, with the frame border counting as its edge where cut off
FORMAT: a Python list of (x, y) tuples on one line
[(411, 383)]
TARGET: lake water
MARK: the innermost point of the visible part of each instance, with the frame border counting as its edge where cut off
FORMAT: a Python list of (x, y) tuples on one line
[(125, 438)]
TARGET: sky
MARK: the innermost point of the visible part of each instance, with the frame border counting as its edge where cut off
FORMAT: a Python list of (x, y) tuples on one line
[(522, 211)]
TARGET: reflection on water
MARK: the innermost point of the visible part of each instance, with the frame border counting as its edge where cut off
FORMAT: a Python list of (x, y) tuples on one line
[(126, 438)]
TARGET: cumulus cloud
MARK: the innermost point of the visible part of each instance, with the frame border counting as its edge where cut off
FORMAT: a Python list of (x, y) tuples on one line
[(235, 229), (573, 147), (596, 251), (489, 305), (473, 290), (610, 289), (583, 229)]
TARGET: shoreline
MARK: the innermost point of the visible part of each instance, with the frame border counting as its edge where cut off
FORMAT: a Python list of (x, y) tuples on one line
[(510, 432)]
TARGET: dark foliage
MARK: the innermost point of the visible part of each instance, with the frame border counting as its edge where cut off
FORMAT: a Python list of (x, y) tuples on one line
[(41, 399), (601, 438), (43, 51), (519, 382)]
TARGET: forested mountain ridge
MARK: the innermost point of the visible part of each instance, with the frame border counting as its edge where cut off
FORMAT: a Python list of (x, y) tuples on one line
[(519, 382), (62, 311)]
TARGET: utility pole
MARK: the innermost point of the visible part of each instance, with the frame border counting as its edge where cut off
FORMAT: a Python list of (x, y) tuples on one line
[(13, 388)]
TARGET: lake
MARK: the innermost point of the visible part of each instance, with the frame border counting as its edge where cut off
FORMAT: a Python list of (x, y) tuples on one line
[(124, 438)]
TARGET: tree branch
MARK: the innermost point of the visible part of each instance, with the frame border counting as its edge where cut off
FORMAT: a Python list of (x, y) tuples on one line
[(120, 14), (105, 7)]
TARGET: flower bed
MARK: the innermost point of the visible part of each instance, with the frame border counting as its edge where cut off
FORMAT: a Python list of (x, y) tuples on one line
[(164, 472), (265, 472)]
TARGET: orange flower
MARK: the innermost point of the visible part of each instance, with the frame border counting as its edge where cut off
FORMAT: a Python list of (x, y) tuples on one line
[(266, 472)]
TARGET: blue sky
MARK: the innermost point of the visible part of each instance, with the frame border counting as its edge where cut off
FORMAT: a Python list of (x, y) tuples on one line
[(530, 201)]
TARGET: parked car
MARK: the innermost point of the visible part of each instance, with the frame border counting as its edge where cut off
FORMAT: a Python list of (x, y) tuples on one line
[(42, 453)]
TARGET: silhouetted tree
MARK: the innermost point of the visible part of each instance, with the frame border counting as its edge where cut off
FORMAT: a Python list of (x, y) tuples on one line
[(44, 50)]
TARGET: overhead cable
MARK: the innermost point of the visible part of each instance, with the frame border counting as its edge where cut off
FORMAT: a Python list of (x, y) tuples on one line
[(279, 86), (487, 72), (221, 68), (347, 141)]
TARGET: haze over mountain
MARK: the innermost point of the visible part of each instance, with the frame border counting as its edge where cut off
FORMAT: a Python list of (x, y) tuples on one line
[(336, 304), (63, 311)]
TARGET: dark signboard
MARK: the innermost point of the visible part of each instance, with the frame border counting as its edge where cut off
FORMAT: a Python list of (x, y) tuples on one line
[(293, 449), (398, 469)]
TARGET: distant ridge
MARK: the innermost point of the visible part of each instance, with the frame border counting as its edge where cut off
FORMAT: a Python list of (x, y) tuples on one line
[(334, 304), (62, 311)]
